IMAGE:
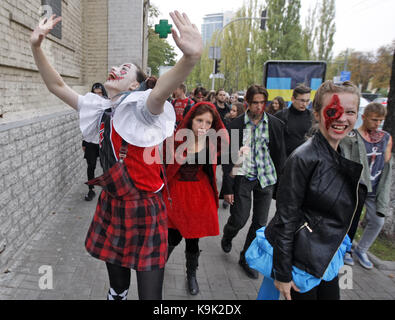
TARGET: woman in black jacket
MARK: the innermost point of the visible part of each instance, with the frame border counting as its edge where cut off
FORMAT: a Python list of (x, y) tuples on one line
[(318, 197)]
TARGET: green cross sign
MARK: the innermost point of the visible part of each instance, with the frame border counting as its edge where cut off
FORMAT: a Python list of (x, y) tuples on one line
[(163, 28)]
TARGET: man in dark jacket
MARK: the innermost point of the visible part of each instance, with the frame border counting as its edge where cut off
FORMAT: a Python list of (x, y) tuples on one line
[(297, 118), (262, 155), (220, 103)]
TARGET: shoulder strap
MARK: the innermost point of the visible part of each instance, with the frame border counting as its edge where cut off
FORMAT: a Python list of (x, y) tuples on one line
[(123, 151)]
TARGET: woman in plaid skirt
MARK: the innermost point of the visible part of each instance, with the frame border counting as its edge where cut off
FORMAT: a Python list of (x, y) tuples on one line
[(191, 172), (129, 228)]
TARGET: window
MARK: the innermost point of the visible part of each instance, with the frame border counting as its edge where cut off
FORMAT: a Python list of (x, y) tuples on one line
[(51, 7)]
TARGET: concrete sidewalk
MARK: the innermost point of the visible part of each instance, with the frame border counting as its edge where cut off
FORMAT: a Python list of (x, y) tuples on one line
[(59, 244)]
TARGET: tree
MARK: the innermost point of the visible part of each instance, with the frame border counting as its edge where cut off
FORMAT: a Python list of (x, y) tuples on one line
[(319, 31), (382, 67), (309, 33), (389, 124), (240, 45), (283, 37), (326, 29), (160, 52), (245, 47), (361, 65)]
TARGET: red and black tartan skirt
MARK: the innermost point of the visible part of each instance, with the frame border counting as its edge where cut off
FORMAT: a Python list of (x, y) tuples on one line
[(129, 227)]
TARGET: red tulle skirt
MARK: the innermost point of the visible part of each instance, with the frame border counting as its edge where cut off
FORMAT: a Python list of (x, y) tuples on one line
[(193, 210)]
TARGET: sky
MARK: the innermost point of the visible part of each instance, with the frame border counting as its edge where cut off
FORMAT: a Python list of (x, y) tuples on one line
[(363, 25)]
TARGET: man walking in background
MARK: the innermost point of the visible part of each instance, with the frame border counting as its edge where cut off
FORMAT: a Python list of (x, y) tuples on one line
[(297, 118)]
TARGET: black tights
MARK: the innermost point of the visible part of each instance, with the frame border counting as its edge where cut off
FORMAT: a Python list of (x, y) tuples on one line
[(326, 290), (175, 237), (149, 283)]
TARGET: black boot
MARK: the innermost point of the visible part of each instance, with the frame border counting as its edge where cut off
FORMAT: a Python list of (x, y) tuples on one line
[(169, 251), (91, 194), (251, 273), (192, 264)]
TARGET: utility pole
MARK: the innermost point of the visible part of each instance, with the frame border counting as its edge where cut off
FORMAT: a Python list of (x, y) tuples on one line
[(346, 61), (263, 18)]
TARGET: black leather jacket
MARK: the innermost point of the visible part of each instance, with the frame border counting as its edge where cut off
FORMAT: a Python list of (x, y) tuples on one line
[(318, 196)]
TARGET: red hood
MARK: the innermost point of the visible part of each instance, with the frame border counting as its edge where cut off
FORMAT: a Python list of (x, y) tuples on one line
[(222, 140)]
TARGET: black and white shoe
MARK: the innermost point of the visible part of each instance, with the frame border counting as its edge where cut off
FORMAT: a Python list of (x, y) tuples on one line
[(112, 295)]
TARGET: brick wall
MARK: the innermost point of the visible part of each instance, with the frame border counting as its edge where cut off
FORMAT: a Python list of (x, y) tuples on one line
[(23, 94), (95, 39), (40, 160), (125, 32)]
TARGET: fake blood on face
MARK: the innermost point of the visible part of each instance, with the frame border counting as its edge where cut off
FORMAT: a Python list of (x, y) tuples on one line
[(333, 111)]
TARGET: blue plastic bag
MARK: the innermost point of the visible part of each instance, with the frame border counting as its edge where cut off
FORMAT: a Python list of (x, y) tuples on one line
[(259, 256)]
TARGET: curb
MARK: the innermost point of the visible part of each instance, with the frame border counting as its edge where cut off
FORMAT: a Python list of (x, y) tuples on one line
[(381, 264), (378, 263)]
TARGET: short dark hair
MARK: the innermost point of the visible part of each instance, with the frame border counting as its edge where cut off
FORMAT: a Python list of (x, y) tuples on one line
[(375, 107), (98, 85), (256, 89), (300, 89), (183, 87), (219, 90), (151, 82), (201, 90)]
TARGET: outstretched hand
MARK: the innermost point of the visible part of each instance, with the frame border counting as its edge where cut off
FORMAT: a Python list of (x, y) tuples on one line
[(189, 41), (41, 31)]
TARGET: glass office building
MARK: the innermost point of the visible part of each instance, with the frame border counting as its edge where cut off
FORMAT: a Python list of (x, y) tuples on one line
[(213, 22)]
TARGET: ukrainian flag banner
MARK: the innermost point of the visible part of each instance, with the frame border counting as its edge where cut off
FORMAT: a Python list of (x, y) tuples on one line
[(282, 76)]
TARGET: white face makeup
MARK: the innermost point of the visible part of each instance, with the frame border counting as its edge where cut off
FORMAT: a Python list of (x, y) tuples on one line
[(122, 77)]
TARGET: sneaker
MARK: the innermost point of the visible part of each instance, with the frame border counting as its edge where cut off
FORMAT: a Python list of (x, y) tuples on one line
[(363, 259), (91, 194), (226, 245), (348, 259)]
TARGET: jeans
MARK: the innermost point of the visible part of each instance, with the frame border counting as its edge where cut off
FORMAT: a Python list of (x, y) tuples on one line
[(374, 224), (240, 210)]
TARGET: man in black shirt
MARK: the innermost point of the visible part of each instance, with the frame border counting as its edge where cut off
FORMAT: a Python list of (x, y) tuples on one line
[(220, 103), (297, 118)]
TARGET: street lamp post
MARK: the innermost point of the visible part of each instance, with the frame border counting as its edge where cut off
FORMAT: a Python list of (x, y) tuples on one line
[(216, 41)]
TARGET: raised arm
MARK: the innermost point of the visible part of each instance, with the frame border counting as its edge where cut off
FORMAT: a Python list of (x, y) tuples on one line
[(51, 77), (190, 43)]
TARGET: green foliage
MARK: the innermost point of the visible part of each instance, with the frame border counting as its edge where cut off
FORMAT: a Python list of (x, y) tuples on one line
[(160, 52), (319, 31), (283, 38), (245, 47)]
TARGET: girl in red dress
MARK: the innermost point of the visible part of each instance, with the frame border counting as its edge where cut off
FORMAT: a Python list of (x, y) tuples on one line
[(191, 168)]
